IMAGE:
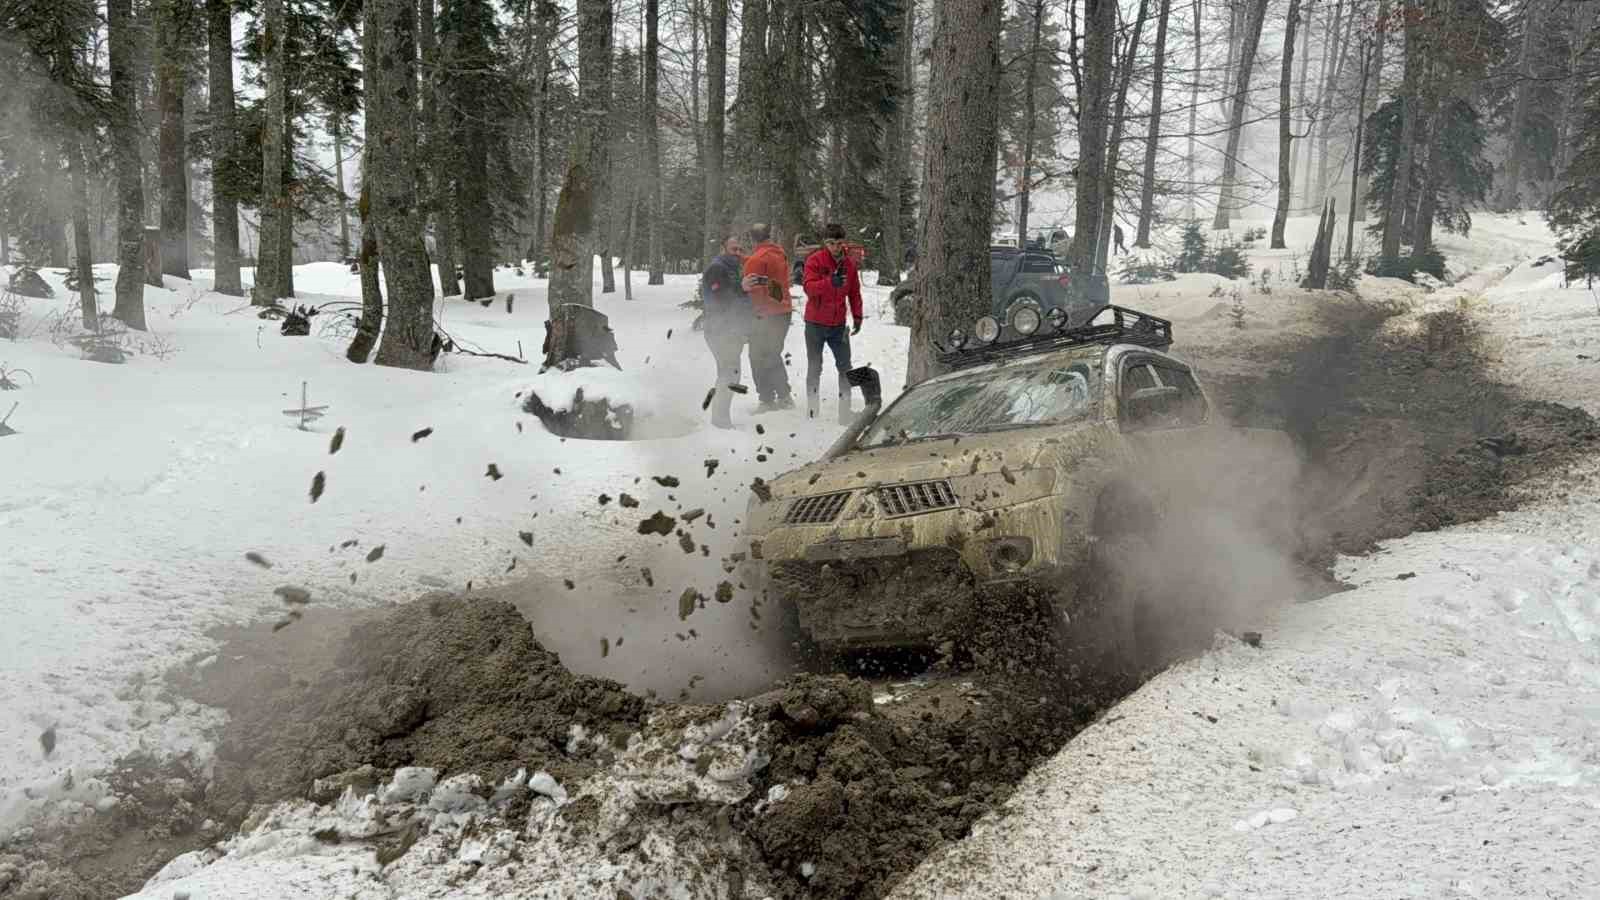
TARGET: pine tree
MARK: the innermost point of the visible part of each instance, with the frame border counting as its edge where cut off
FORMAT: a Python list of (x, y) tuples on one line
[(129, 308)]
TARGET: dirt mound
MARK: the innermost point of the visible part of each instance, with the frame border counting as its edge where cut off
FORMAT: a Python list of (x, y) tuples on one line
[(858, 793), (457, 684), (1405, 430)]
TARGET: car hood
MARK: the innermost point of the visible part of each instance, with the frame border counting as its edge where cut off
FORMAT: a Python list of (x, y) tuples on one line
[(1014, 451)]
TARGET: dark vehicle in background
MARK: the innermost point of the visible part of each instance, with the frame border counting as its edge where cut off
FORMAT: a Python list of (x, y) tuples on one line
[(1029, 277)]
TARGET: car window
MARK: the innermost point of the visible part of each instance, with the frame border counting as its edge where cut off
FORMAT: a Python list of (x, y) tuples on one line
[(1192, 403), (987, 401), (1135, 377), (1035, 262)]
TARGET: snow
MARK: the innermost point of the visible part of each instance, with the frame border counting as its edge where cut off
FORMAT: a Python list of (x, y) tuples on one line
[(1432, 735), (133, 493)]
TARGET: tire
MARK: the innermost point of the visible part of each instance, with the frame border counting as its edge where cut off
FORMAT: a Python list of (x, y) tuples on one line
[(1124, 637)]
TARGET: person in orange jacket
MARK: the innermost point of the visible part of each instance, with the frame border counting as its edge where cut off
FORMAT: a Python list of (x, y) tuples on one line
[(769, 301), (832, 285)]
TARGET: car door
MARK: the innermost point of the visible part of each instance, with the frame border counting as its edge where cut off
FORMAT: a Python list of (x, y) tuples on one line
[(1159, 407)]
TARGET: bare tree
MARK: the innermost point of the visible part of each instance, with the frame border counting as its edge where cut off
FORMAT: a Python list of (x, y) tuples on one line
[(1147, 197), (130, 186), (572, 237), (1338, 51), (1119, 119), (716, 107), (391, 89), (1094, 103), (271, 281), (652, 124), (1280, 218), (1194, 112), (952, 279), (370, 325), (1230, 159), (438, 123), (1400, 185), (898, 147), (224, 208), (1510, 189), (174, 22), (1030, 115)]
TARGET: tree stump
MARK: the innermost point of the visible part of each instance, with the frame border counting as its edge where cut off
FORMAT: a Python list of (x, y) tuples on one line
[(578, 335), (152, 256)]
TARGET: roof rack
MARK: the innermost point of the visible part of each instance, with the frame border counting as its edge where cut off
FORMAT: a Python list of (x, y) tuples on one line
[(1126, 326)]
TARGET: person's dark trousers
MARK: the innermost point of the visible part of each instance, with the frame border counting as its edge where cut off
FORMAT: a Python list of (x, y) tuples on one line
[(766, 360), (727, 347), (837, 339)]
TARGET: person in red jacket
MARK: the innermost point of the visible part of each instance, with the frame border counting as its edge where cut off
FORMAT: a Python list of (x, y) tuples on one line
[(833, 287), (769, 301)]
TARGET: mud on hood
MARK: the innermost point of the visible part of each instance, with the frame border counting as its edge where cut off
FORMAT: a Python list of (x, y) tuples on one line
[(1013, 451)]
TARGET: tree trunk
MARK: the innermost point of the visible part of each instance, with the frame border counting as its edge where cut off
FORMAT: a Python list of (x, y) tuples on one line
[(751, 152), (696, 126), (439, 122), (544, 31), (716, 107), (1355, 164), (370, 325), (1280, 217), (1029, 115), (270, 280), (604, 166), (344, 199), (224, 208), (572, 237), (652, 124), (1194, 115), (1147, 196), (1230, 160), (1094, 102), (793, 81), (952, 277), (286, 221), (124, 123), (476, 215), (1359, 213), (1114, 144), (897, 148), (1400, 185), (1302, 110), (83, 251), (1510, 190), (1341, 50), (391, 89), (171, 48)]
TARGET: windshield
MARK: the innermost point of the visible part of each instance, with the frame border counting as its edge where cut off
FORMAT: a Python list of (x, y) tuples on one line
[(987, 401)]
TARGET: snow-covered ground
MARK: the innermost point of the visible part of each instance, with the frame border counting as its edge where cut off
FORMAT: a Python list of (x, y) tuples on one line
[(134, 492), (1433, 732)]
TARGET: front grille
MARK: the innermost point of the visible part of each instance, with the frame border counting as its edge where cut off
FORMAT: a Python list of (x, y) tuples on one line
[(818, 510), (916, 497)]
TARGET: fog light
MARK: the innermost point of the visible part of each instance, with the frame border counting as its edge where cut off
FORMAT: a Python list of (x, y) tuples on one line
[(957, 339), (986, 329), (1010, 554), (1057, 317)]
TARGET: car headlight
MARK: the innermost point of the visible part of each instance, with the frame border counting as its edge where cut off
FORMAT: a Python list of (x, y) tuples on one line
[(1025, 320), (1010, 554)]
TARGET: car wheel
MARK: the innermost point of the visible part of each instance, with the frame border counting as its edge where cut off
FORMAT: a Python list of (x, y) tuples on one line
[(1124, 635)]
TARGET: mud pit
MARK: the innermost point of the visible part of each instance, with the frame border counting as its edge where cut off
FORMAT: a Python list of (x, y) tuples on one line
[(870, 775)]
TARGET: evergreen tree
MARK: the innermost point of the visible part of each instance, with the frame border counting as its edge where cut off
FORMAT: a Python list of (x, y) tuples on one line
[(1574, 211), (1456, 173)]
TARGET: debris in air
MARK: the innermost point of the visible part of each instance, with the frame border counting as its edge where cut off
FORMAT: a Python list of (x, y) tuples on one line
[(258, 559), (658, 523), (666, 481), (493, 472), (688, 601), (291, 594), (337, 442), (711, 467), (649, 579), (627, 501), (760, 489), (375, 554), (706, 403), (319, 481), (1253, 638), (527, 537), (420, 434), (47, 740)]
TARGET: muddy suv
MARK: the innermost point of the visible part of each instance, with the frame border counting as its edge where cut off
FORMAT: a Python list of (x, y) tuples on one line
[(1002, 473)]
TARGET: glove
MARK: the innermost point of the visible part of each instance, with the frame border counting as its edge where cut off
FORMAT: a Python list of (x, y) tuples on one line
[(857, 328), (838, 278)]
